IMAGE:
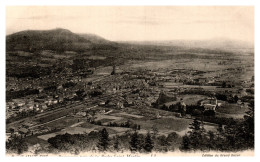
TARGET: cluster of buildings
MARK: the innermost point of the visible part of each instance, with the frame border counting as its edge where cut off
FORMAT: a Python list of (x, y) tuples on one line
[(16, 106), (138, 88)]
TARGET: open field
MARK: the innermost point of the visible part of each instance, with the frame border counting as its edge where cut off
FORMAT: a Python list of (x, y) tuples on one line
[(62, 123), (192, 99), (231, 110), (165, 124), (124, 114), (183, 63), (101, 116)]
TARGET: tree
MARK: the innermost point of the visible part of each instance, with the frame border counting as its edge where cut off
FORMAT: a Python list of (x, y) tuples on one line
[(148, 143), (135, 143), (220, 128), (163, 141), (240, 136), (116, 144), (210, 142), (80, 94), (195, 126), (155, 131), (236, 98), (185, 146), (103, 141), (248, 126), (196, 134), (224, 84), (16, 144)]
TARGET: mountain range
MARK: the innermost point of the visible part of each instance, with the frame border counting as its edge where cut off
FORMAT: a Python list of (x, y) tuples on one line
[(64, 40)]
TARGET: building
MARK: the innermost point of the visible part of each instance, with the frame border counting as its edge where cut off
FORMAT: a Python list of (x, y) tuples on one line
[(23, 131), (210, 104)]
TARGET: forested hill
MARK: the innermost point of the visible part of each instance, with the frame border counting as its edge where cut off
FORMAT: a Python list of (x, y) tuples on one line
[(56, 40)]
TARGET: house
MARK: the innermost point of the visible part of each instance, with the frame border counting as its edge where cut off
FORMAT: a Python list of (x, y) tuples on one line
[(81, 114), (102, 111), (27, 125), (19, 102), (212, 101), (23, 131), (36, 108), (210, 104), (183, 105), (36, 105), (7, 107), (188, 116), (34, 148), (178, 115), (110, 104), (129, 102), (60, 99), (239, 102), (11, 105), (11, 130), (40, 89), (168, 104), (23, 109), (120, 105), (108, 112), (30, 106), (59, 87), (210, 107), (43, 106), (102, 103), (7, 136), (40, 100), (158, 115), (54, 101)]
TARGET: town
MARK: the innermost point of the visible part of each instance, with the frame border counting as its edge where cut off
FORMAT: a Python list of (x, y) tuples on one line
[(162, 97)]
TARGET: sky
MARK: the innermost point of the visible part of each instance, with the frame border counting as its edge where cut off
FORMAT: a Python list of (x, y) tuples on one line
[(132, 23)]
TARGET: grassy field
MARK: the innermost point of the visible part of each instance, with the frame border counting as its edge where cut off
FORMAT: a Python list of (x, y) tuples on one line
[(103, 117), (85, 128), (230, 108), (87, 125), (32, 140), (208, 64), (164, 124), (192, 99), (62, 123), (127, 115)]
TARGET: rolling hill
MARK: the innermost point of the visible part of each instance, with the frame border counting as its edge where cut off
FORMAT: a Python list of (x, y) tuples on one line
[(217, 44), (57, 40)]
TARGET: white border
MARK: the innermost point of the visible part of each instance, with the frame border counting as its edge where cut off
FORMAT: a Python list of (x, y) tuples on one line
[(123, 3)]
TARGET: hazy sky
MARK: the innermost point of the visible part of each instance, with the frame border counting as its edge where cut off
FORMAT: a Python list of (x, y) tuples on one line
[(138, 23)]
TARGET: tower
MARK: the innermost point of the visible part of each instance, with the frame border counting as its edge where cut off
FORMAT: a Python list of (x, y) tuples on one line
[(114, 70)]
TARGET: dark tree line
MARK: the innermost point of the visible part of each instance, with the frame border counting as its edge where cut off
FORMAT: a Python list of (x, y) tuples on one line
[(103, 140), (21, 93), (235, 136), (16, 144), (126, 124), (135, 142)]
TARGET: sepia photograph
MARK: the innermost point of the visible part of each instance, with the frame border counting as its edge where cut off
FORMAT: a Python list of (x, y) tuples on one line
[(129, 81)]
